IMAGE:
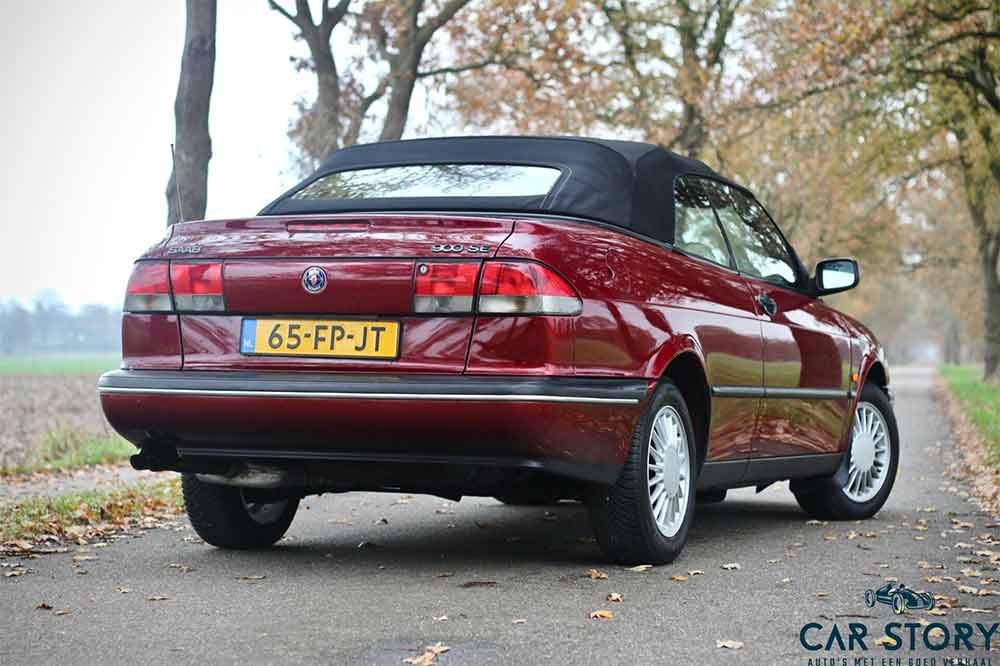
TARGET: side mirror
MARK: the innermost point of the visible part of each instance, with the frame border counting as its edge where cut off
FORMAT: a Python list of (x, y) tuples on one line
[(836, 275)]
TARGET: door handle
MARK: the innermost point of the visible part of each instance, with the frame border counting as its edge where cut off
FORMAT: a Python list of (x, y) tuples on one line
[(767, 304)]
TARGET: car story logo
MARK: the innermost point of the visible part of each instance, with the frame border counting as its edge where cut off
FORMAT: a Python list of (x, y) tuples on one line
[(900, 597), (960, 637)]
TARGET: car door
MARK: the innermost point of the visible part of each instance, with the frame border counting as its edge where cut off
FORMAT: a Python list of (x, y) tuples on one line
[(806, 354), (721, 316)]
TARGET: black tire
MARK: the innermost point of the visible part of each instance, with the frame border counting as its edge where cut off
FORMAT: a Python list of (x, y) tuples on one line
[(826, 499), (870, 598), (898, 604), (222, 515), (621, 514)]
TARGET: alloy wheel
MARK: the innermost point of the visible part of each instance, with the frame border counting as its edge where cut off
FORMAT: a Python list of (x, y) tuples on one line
[(668, 471), (869, 457)]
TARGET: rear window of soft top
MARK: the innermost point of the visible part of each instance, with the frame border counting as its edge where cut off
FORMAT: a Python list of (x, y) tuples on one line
[(433, 180)]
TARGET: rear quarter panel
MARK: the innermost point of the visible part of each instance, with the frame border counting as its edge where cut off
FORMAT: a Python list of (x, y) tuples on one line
[(643, 305)]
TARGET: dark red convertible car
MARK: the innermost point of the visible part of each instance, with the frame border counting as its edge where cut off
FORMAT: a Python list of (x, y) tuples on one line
[(521, 317)]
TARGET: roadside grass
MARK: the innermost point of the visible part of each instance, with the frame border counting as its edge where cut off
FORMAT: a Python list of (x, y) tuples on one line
[(87, 515), (980, 402), (82, 364), (66, 449)]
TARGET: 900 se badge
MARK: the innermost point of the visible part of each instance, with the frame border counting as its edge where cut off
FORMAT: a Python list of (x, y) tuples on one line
[(456, 247)]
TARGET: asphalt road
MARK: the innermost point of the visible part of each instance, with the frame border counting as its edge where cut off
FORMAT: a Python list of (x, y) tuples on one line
[(325, 600)]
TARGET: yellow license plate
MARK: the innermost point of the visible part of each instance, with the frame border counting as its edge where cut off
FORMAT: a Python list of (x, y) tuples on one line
[(347, 338)]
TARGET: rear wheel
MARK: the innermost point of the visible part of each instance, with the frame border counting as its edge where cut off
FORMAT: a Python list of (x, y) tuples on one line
[(863, 483), (644, 517), (231, 517)]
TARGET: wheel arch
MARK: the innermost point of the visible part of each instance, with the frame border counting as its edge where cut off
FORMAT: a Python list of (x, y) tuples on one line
[(687, 371)]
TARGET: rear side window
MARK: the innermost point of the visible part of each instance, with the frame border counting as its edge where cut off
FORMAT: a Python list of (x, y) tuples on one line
[(696, 231), (434, 180), (757, 245)]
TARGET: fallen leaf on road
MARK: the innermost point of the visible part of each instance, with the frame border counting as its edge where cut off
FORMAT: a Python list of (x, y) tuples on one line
[(157, 598), (366, 544), (601, 615), (14, 573), (773, 561), (518, 620), (965, 589), (679, 578), (441, 618), (43, 606), (885, 640), (594, 574), (822, 595), (83, 558), (183, 568), (640, 568), (382, 521), (696, 572), (729, 645), (933, 579), (940, 612), (64, 611), (816, 522), (444, 512), (430, 655), (251, 578), (479, 583), (732, 566), (786, 581), (830, 537), (123, 590), (615, 597), (444, 574), (976, 610)]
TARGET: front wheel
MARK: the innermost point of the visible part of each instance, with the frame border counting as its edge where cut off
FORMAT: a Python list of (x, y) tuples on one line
[(644, 517), (231, 517), (863, 483), (870, 598)]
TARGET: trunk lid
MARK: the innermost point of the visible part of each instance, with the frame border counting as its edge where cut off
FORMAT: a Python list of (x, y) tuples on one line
[(370, 264)]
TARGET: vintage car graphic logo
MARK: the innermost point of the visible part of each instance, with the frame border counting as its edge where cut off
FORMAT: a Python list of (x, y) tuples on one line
[(900, 597), (314, 280)]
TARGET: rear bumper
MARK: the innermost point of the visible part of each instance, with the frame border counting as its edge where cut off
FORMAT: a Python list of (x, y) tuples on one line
[(569, 427)]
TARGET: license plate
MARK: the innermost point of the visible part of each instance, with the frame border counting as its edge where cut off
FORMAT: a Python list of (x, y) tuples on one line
[(332, 338)]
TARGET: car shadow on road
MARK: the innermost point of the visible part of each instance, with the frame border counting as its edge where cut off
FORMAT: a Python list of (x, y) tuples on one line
[(507, 535)]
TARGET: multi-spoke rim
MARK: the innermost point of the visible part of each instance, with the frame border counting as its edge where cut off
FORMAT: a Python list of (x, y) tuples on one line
[(668, 471), (869, 462), (264, 513)]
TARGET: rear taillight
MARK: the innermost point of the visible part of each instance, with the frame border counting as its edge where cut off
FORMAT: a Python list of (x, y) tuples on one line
[(197, 287), (158, 286), (445, 287), (148, 288), (510, 287), (507, 287)]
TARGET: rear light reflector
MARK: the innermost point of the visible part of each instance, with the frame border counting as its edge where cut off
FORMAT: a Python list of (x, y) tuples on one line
[(148, 288), (510, 287), (197, 286), (445, 287)]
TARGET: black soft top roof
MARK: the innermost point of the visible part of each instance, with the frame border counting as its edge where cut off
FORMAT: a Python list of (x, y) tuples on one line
[(624, 183)]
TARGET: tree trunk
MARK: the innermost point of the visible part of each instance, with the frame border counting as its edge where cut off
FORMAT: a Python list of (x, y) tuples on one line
[(404, 80), (991, 283), (187, 189)]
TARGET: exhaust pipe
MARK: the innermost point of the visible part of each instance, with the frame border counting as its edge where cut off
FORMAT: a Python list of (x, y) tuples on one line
[(249, 475)]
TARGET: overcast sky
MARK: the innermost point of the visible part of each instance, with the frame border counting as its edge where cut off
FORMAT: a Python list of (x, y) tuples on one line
[(86, 125)]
